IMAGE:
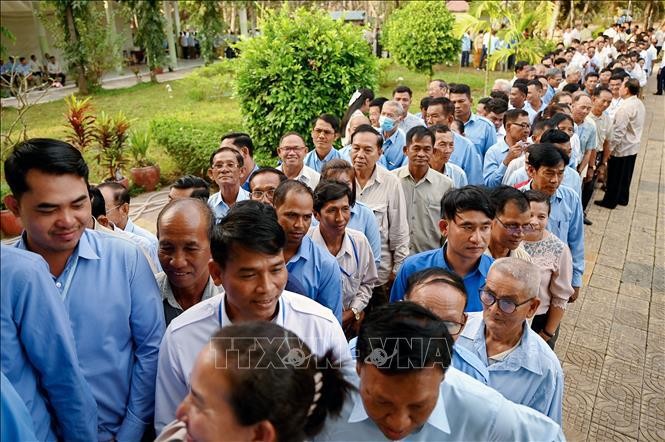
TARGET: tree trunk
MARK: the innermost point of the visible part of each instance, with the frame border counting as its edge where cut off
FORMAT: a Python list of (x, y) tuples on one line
[(571, 14), (173, 55), (242, 13), (73, 41), (557, 9)]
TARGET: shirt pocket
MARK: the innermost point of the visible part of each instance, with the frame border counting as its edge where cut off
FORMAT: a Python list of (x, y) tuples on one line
[(381, 215), (559, 227), (350, 287)]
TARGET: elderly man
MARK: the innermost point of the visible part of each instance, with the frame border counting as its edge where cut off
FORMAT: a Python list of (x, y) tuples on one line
[(466, 220), (586, 131), (184, 227), (477, 129), (247, 258), (226, 170), (554, 77), (522, 367), (242, 142), (394, 138), (512, 221), (408, 391), (190, 186), (263, 182), (291, 152), (403, 95), (437, 88), (444, 147), (423, 190)]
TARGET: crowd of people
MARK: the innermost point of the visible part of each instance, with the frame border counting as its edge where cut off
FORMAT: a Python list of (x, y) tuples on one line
[(409, 285), (31, 71)]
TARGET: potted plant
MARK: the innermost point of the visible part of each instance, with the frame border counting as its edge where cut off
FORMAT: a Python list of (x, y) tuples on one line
[(9, 223), (111, 133), (145, 172)]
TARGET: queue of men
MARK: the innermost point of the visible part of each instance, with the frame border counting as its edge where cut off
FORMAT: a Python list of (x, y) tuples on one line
[(422, 227)]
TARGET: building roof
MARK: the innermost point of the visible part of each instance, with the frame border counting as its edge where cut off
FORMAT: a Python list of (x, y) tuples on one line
[(457, 6)]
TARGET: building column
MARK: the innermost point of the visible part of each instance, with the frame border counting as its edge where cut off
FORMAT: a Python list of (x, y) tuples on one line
[(113, 31), (173, 56), (41, 32)]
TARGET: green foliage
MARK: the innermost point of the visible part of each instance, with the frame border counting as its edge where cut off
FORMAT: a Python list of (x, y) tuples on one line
[(4, 191), (303, 64), (188, 142), (80, 122), (419, 35), (150, 33), (207, 17), (111, 134), (139, 142), (5, 35), (212, 82)]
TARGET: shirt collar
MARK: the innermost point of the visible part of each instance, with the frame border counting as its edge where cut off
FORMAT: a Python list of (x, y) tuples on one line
[(525, 355), (304, 251), (83, 249), (223, 318), (209, 291), (483, 269)]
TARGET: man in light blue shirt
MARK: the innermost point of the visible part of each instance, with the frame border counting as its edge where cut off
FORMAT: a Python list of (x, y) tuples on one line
[(466, 49), (315, 268), (554, 77), (546, 168), (242, 142), (408, 391), (15, 420), (467, 215), (394, 139), (226, 168), (586, 130), (478, 129), (105, 283), (441, 111), (324, 134), (522, 367), (38, 351), (510, 147)]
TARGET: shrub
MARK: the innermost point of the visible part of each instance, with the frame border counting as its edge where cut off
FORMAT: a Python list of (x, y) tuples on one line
[(212, 82), (420, 35), (188, 143), (303, 64)]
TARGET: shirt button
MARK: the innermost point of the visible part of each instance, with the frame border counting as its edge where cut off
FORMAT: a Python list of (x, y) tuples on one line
[(58, 285)]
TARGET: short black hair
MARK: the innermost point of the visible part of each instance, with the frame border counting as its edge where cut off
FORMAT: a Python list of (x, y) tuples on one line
[(464, 199), (571, 87), (546, 155), (447, 105), (633, 86), (189, 205), (497, 106), (402, 89), (591, 74), (484, 100), (330, 119), (435, 275), (599, 90), (439, 129), (378, 102), (536, 196), (459, 125), (331, 190), (535, 83), (560, 60), (47, 155), (264, 170), (367, 128), (418, 133), (239, 159), (250, 225), (120, 192), (554, 136), (502, 195), (190, 182), (424, 102), (501, 95), (520, 65), (520, 86), (403, 337), (288, 186), (240, 140), (97, 203), (459, 88), (512, 115)]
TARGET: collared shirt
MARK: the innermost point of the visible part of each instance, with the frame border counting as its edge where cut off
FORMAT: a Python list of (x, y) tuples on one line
[(191, 331), (312, 159), (345, 153), (481, 132), (473, 280), (467, 157), (571, 179), (118, 321), (140, 231), (533, 112), (455, 173), (614, 105), (142, 243), (383, 194), (172, 308), (245, 185), (356, 262), (548, 95), (519, 253), (628, 127), (530, 375), (466, 410), (566, 222), (423, 207), (15, 420), (466, 42), (604, 128), (307, 176), (38, 350), (493, 166), (409, 122), (467, 362), (393, 150), (588, 136), (317, 271), (220, 207)]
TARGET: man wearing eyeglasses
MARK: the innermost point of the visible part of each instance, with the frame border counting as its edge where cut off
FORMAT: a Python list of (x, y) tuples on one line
[(512, 221), (510, 147), (226, 170), (521, 365), (263, 182)]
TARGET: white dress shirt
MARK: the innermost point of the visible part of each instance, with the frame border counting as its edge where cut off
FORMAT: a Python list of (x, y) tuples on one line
[(307, 176), (628, 126)]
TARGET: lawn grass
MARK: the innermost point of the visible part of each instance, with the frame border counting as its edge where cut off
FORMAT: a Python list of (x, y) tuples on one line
[(145, 101)]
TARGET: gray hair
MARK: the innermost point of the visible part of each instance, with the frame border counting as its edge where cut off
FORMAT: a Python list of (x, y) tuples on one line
[(502, 85), (553, 72), (518, 269), (396, 104)]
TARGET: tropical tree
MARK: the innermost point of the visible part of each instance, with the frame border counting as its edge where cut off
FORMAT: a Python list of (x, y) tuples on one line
[(150, 33), (207, 18), (419, 35), (70, 15)]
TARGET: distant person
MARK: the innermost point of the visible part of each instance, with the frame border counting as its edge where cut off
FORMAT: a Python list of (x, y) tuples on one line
[(190, 186)]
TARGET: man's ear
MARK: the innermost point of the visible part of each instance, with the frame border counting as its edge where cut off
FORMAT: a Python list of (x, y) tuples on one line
[(210, 174), (264, 431), (443, 227), (12, 204), (103, 220), (215, 272), (530, 171), (124, 209)]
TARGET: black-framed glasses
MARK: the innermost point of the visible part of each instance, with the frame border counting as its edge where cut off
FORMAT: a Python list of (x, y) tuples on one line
[(506, 305), (454, 328), (523, 125), (258, 194), (516, 229)]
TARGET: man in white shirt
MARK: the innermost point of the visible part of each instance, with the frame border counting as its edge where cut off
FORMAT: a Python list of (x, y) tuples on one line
[(248, 261), (403, 95), (291, 151)]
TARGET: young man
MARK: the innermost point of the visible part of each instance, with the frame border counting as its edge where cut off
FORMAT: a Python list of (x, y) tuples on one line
[(105, 283), (534, 100), (512, 146), (403, 95), (324, 134), (226, 169), (477, 129), (291, 152), (518, 93), (423, 190), (512, 217), (496, 108), (190, 186), (247, 259), (466, 222)]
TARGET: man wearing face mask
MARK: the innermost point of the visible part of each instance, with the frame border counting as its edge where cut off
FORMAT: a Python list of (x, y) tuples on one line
[(394, 138)]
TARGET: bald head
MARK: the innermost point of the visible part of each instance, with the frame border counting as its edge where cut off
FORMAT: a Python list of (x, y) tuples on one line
[(192, 211), (357, 121)]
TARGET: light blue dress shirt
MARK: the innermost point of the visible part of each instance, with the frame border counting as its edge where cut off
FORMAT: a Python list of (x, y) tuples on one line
[(312, 159), (245, 185), (530, 375), (466, 156), (473, 281), (567, 223), (140, 231), (393, 150), (571, 179), (345, 153), (466, 42), (38, 350), (117, 317), (319, 274), (220, 208), (587, 133), (15, 421), (548, 95), (494, 168), (410, 122), (466, 410), (455, 173), (481, 132)]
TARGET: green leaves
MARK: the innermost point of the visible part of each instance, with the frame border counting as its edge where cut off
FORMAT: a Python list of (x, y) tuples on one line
[(302, 65)]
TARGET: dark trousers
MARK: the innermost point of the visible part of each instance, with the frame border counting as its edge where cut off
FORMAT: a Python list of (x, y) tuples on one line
[(587, 191), (465, 59), (538, 324), (619, 175), (660, 81)]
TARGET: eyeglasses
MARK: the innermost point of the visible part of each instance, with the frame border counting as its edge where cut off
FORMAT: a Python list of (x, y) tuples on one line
[(114, 207), (516, 229), (258, 194), (220, 166), (523, 125), (506, 305), (454, 328), (292, 148)]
